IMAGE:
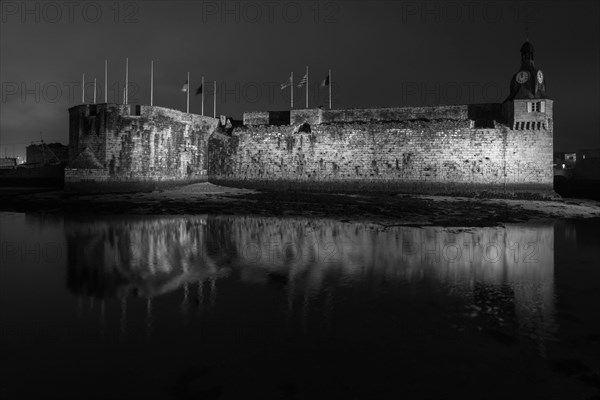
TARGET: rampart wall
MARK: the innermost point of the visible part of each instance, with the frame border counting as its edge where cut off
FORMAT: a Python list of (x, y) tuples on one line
[(446, 149), (138, 144)]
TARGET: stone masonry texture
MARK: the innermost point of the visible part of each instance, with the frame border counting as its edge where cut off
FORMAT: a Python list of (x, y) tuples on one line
[(139, 143), (413, 149), (434, 149)]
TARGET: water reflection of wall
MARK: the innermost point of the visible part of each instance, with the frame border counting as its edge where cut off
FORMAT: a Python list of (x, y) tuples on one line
[(145, 256), (150, 256), (476, 263), (511, 254)]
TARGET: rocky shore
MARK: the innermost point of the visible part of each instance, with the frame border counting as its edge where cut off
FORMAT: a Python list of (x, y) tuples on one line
[(387, 210)]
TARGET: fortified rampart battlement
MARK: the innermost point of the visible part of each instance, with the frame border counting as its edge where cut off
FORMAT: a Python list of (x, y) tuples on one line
[(137, 143), (139, 111), (429, 149), (451, 149), (435, 149), (474, 112)]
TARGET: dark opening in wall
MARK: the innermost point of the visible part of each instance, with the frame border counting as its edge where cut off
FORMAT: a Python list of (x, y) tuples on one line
[(93, 110), (111, 166), (304, 128), (137, 110)]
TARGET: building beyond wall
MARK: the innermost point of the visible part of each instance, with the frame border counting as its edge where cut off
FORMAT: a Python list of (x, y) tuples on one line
[(588, 165), (52, 153)]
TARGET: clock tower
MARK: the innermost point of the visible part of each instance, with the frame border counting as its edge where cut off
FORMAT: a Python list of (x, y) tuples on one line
[(528, 107)]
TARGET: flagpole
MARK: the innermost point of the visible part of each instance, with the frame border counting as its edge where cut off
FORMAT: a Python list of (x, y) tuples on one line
[(202, 86), (215, 101), (83, 88), (330, 84), (151, 82), (106, 81), (292, 86), (126, 80), (188, 93), (307, 86), (94, 90)]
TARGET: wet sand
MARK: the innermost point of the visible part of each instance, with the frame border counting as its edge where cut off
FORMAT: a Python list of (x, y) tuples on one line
[(387, 210)]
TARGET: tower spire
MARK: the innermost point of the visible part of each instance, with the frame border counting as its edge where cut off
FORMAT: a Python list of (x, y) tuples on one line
[(527, 55)]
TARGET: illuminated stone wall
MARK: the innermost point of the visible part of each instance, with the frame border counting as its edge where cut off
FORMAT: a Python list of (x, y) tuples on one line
[(446, 149), (139, 144)]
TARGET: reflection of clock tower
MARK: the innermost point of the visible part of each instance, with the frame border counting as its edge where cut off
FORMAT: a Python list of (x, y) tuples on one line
[(527, 107)]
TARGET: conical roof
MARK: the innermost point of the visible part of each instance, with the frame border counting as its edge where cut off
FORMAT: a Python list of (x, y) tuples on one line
[(527, 48)]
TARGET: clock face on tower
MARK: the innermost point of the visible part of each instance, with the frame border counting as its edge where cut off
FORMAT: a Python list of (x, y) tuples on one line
[(522, 76), (540, 77)]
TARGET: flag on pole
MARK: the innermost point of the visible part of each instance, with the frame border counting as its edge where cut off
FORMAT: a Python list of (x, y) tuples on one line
[(327, 82), (106, 81), (303, 81), (151, 82), (185, 87), (288, 83), (187, 90), (200, 90), (215, 100), (126, 81)]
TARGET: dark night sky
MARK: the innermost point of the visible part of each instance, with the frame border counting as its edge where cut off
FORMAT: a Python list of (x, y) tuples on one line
[(382, 53)]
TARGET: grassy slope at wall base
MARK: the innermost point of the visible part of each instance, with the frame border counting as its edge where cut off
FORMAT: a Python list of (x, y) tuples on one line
[(126, 186), (514, 191)]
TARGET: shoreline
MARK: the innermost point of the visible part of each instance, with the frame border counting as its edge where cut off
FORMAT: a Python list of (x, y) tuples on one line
[(386, 210)]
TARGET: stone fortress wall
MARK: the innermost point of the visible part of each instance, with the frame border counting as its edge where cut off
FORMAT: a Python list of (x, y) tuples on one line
[(118, 146), (435, 149), (502, 148)]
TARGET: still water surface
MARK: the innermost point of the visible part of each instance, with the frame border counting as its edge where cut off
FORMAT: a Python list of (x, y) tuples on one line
[(207, 307)]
